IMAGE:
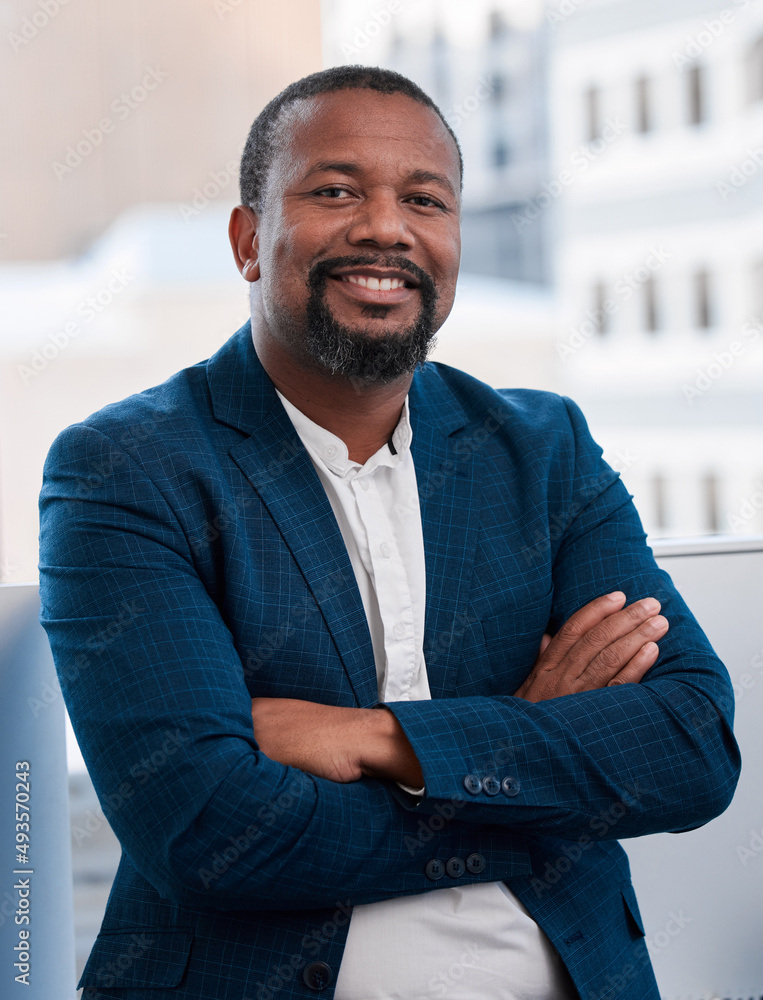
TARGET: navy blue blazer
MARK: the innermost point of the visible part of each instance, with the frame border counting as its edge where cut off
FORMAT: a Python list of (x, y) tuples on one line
[(190, 560)]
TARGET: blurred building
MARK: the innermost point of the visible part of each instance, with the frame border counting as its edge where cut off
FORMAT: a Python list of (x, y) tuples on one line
[(123, 123), (657, 177), (107, 106), (486, 71)]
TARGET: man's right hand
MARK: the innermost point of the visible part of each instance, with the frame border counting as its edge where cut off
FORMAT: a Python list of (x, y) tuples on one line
[(601, 645)]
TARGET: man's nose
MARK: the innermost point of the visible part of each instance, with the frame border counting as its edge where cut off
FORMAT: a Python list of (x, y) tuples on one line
[(380, 220)]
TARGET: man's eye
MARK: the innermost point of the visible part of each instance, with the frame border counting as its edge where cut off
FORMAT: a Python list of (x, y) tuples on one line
[(425, 201), (333, 192)]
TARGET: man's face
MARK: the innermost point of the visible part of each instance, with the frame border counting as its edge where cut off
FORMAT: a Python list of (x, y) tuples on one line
[(358, 240)]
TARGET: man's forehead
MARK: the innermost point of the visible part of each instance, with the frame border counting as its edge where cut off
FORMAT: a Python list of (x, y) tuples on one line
[(309, 125)]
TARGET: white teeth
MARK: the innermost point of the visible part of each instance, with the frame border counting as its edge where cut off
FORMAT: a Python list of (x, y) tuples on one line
[(375, 284)]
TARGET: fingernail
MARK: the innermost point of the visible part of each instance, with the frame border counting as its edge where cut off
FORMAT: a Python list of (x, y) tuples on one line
[(651, 606), (616, 595)]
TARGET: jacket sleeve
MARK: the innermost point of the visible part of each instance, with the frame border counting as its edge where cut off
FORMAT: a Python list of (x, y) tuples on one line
[(612, 763), (156, 692)]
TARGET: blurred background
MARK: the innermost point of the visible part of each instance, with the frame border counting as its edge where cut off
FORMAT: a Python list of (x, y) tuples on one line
[(612, 228)]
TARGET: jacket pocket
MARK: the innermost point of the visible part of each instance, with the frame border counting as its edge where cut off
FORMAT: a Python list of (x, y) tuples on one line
[(138, 957)]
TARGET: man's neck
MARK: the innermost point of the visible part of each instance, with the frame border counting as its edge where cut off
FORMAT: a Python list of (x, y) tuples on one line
[(364, 415)]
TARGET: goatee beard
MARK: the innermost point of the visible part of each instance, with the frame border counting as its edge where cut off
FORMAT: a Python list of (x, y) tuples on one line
[(368, 354)]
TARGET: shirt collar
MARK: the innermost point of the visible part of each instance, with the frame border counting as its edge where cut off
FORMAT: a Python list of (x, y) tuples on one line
[(331, 451)]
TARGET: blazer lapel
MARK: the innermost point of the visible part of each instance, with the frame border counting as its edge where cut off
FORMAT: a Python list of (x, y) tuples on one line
[(448, 479), (276, 464)]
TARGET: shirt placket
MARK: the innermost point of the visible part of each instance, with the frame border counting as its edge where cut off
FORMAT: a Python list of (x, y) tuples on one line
[(392, 590)]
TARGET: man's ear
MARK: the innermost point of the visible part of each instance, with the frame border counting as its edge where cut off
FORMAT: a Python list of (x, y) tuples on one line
[(243, 233)]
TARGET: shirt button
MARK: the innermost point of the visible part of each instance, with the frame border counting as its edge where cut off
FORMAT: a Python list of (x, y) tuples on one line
[(317, 975), (472, 784), (385, 549), (475, 863), (491, 785), (435, 869), (455, 868), (510, 786), (330, 452), (399, 631), (363, 483)]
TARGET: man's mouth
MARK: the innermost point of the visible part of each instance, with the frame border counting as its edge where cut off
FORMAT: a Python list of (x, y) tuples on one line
[(376, 284)]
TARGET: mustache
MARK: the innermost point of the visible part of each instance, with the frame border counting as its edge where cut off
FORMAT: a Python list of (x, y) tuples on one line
[(320, 271)]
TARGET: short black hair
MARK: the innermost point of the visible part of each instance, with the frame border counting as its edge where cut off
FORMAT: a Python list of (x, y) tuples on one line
[(260, 146)]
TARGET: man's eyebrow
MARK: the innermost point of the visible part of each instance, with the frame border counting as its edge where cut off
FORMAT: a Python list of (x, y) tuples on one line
[(340, 168), (428, 177), (417, 176)]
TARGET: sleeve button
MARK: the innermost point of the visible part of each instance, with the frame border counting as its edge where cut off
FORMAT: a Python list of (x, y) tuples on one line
[(455, 868), (435, 869), (510, 786), (475, 863), (472, 784), (491, 785)]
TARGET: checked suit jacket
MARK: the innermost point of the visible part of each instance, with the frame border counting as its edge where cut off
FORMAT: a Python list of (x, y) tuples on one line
[(190, 561)]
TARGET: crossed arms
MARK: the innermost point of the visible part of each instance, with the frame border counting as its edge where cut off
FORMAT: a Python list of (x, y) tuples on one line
[(575, 741), (602, 644)]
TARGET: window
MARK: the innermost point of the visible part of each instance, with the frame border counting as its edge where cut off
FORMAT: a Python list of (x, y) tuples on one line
[(497, 26), (702, 310), (600, 315), (500, 153), (649, 303), (592, 114), (710, 493), (755, 71), (497, 87), (696, 95), (643, 105), (659, 501)]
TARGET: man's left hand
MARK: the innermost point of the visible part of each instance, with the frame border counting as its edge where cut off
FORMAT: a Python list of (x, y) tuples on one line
[(341, 744)]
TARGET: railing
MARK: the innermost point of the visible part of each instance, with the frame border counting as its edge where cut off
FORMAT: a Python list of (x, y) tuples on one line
[(701, 893)]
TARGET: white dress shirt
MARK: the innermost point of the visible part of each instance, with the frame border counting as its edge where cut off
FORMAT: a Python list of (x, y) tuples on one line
[(463, 942)]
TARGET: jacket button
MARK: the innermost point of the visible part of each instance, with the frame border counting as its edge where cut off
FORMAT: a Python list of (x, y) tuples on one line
[(472, 784), (475, 863), (317, 975), (455, 868), (510, 786), (491, 785), (435, 869)]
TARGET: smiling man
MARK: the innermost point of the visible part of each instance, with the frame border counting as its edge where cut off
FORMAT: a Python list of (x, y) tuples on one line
[(401, 624)]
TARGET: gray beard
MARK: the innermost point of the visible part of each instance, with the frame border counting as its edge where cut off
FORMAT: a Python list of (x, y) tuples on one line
[(369, 354)]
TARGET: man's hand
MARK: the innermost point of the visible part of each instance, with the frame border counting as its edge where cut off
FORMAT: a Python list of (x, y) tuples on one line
[(601, 645), (341, 744)]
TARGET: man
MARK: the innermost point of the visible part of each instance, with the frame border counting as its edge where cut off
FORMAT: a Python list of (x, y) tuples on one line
[(363, 661)]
